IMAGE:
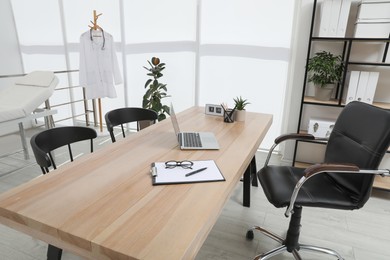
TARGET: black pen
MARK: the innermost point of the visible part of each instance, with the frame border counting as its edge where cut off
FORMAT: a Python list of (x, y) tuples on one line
[(196, 171)]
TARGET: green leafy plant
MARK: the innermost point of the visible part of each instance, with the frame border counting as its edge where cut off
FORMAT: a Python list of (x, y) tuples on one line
[(156, 91), (325, 68), (240, 103)]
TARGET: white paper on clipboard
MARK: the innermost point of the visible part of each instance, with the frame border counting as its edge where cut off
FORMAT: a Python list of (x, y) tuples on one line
[(178, 174)]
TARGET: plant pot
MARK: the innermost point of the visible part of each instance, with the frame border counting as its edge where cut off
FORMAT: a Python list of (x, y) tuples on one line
[(240, 115), (323, 93), (144, 123)]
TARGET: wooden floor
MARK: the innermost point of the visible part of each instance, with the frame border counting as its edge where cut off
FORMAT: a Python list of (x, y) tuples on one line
[(359, 234)]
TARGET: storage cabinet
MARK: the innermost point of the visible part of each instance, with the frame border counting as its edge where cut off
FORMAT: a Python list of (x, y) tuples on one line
[(361, 54)]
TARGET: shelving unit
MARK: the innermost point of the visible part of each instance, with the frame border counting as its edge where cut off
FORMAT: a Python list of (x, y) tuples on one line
[(345, 46)]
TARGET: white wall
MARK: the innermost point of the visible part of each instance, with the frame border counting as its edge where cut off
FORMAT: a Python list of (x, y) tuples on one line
[(10, 59), (299, 45), (11, 62)]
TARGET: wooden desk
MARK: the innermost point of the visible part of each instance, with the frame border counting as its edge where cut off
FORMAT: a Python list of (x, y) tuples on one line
[(103, 205)]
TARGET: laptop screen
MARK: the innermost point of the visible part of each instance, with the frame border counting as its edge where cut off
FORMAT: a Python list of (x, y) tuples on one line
[(174, 121)]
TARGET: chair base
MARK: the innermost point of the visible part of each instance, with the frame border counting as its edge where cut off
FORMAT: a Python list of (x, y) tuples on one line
[(281, 249)]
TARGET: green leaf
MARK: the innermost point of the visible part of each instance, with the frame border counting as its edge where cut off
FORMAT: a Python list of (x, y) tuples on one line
[(166, 109), (145, 103), (161, 117), (148, 93), (148, 82)]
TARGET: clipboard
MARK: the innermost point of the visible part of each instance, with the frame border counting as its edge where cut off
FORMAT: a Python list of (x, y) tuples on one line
[(177, 175)]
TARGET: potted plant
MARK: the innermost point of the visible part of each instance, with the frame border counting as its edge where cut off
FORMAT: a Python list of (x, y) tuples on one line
[(325, 70), (240, 105), (156, 91)]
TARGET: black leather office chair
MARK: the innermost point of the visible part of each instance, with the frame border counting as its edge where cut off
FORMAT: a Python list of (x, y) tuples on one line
[(127, 115), (46, 141), (356, 146)]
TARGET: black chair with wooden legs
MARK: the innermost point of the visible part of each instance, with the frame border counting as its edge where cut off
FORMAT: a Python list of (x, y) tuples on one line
[(355, 148)]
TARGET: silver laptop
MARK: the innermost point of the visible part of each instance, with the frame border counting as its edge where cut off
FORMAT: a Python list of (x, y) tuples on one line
[(193, 140)]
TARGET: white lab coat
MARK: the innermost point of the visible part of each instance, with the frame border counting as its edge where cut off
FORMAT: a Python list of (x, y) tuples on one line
[(98, 67)]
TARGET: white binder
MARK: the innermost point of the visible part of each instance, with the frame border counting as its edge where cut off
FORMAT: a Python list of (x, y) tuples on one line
[(325, 18), (362, 86), (352, 87), (343, 18), (361, 89), (371, 87), (334, 18)]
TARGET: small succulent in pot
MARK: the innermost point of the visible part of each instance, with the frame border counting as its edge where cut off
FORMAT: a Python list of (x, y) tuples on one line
[(240, 103)]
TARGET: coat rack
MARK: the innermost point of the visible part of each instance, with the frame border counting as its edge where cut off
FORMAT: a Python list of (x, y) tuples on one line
[(95, 27)]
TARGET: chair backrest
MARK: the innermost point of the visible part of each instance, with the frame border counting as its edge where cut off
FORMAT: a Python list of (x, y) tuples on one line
[(125, 115), (361, 136), (46, 141)]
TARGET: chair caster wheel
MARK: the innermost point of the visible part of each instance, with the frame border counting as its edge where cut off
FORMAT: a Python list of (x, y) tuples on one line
[(249, 234)]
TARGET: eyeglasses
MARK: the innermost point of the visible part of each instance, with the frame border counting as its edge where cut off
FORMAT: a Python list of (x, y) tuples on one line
[(183, 164)]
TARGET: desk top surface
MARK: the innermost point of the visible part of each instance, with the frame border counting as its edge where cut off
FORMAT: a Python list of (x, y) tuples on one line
[(104, 206)]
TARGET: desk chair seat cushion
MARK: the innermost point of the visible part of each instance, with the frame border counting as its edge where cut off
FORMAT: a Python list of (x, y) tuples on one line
[(21, 99), (278, 183)]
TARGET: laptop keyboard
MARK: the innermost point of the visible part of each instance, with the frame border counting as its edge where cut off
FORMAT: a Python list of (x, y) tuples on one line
[(191, 140)]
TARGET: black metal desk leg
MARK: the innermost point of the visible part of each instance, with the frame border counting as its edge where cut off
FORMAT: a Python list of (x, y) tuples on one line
[(253, 167), (247, 187), (54, 253)]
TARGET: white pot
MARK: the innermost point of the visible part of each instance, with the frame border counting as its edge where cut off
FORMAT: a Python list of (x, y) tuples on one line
[(324, 93), (240, 115)]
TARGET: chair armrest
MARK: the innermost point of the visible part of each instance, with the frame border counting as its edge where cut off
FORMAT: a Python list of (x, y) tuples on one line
[(326, 167), (321, 168), (341, 168), (284, 137), (293, 136)]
